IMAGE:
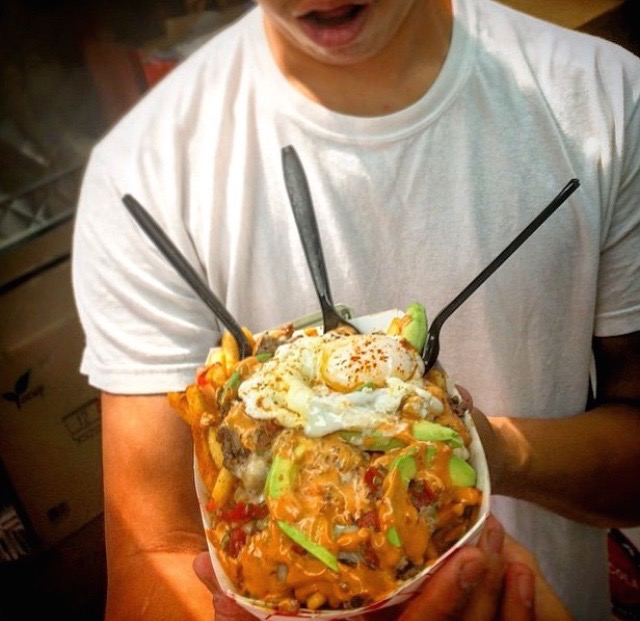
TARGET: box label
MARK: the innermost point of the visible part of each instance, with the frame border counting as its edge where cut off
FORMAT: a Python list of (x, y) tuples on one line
[(84, 423), (22, 392)]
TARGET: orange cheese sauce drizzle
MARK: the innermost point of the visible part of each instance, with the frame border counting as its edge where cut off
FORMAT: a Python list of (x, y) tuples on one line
[(383, 514), (332, 503)]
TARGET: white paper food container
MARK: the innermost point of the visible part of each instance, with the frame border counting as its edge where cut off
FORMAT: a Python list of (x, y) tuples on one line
[(368, 323)]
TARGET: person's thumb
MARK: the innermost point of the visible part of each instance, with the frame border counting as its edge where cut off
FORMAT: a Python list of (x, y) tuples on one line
[(225, 608), (445, 594), (204, 570)]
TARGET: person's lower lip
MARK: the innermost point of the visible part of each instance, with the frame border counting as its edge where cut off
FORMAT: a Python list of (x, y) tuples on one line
[(336, 28)]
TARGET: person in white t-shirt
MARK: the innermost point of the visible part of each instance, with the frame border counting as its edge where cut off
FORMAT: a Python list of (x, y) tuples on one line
[(431, 132)]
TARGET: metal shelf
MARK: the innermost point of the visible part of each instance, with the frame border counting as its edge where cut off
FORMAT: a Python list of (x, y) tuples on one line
[(39, 207)]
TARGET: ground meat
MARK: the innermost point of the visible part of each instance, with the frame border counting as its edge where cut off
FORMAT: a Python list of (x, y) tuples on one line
[(234, 453), (246, 444), (265, 434), (268, 342)]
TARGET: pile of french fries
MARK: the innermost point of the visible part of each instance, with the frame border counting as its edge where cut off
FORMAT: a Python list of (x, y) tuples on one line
[(201, 406)]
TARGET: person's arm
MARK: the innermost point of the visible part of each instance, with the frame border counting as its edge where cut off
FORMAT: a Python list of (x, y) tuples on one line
[(153, 529), (584, 466)]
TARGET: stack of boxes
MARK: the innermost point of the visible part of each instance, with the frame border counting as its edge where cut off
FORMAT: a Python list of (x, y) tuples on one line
[(49, 416)]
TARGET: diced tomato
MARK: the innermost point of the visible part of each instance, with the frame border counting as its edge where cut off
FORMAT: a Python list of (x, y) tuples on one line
[(298, 549), (211, 505), (257, 512), (373, 478), (369, 520), (234, 513), (243, 512), (370, 556), (237, 538), (421, 494)]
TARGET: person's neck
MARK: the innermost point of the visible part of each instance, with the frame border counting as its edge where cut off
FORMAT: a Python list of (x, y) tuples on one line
[(386, 83)]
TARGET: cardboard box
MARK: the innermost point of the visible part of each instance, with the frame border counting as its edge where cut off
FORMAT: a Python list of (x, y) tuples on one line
[(50, 440)]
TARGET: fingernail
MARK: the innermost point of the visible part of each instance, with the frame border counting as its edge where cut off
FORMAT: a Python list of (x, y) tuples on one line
[(526, 588), (471, 572)]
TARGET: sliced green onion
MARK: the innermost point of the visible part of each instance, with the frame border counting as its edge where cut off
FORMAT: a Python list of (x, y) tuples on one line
[(313, 548)]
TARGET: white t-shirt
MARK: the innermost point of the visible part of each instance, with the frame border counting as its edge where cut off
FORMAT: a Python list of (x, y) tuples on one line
[(411, 207)]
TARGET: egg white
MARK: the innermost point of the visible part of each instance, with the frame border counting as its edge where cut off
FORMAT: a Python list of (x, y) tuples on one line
[(316, 383)]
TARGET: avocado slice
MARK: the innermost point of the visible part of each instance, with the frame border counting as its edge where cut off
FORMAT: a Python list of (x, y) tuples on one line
[(406, 465), (461, 472), (427, 431), (393, 537), (380, 443), (407, 468), (279, 477), (416, 330), (315, 549)]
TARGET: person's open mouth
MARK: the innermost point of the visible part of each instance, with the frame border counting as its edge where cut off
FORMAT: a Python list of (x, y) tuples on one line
[(335, 26)]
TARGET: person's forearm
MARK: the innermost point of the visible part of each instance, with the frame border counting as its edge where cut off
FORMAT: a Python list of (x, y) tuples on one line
[(160, 587), (153, 528), (584, 467)]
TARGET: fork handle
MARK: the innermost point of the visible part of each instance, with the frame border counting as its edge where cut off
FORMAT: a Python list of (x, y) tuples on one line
[(432, 342), (303, 212), (179, 262)]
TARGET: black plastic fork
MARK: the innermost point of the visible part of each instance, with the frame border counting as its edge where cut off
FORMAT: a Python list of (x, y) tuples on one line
[(432, 345), (185, 269), (304, 214)]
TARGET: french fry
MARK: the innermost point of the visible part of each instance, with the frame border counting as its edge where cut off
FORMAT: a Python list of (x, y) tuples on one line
[(315, 601), (216, 374), (230, 351), (397, 325), (251, 340), (432, 551), (215, 449), (437, 377), (223, 488), (247, 366), (178, 401), (206, 464), (196, 402), (216, 355)]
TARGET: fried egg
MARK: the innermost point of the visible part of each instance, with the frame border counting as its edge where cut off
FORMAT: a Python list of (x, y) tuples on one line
[(332, 382)]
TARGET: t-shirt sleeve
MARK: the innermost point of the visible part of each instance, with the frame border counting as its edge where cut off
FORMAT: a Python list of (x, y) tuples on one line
[(146, 331), (618, 303)]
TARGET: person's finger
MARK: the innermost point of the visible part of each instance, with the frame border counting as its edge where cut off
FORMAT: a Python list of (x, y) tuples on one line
[(548, 605), (518, 601), (515, 552), (204, 570), (485, 601), (225, 608), (466, 397), (445, 594)]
